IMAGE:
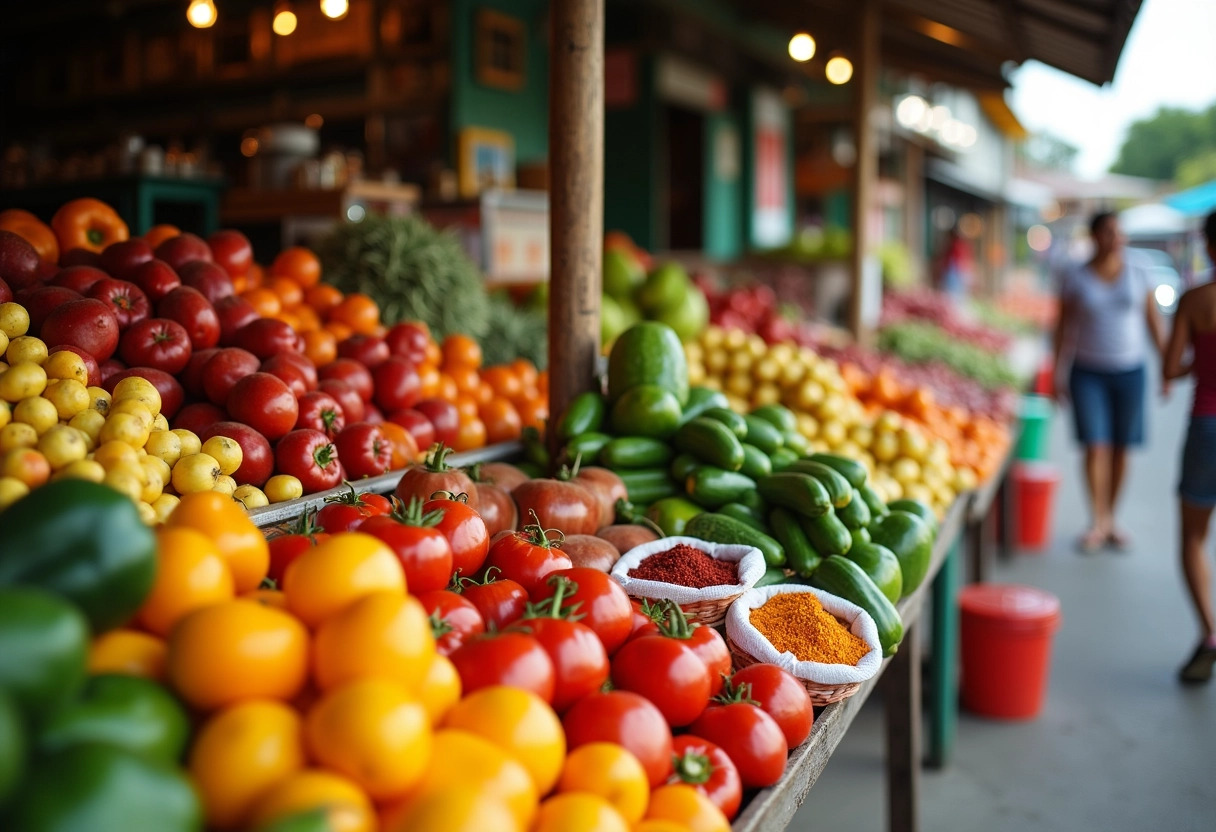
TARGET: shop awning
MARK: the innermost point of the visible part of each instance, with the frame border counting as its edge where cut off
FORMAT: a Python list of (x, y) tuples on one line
[(1196, 201)]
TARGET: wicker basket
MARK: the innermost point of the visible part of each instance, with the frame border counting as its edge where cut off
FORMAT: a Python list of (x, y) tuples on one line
[(711, 613), (820, 694)]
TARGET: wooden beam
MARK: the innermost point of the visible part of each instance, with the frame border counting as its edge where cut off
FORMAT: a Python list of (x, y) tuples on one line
[(865, 169), (576, 199)]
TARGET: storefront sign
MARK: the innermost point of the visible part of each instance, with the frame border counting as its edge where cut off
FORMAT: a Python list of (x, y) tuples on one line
[(771, 222), (681, 82)]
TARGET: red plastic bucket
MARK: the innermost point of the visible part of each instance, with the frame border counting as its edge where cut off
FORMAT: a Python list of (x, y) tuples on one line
[(1006, 657), (1034, 488), (1044, 380)]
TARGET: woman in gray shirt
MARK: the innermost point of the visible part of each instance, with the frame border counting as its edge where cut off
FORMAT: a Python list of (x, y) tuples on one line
[(1107, 311)]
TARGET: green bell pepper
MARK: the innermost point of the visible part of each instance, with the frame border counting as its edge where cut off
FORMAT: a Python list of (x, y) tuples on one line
[(44, 644), (672, 514)]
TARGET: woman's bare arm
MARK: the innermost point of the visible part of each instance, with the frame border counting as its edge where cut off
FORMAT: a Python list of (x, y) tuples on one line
[(1171, 357)]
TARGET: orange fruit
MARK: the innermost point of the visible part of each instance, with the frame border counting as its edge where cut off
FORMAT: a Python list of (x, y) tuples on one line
[(339, 330), (501, 420), (467, 407), (503, 381), (299, 264), (190, 573), (237, 650), (429, 376), (405, 449), (338, 572), (322, 297), (466, 378), (533, 413), (289, 292), (347, 806), (383, 635), (357, 311), (456, 808), (264, 301), (320, 346), (472, 435), (461, 351), (440, 688), (130, 652), (578, 812), (520, 723), (448, 391), (307, 317), (525, 371), (610, 771), (459, 757), (224, 520), (434, 355), (157, 234)]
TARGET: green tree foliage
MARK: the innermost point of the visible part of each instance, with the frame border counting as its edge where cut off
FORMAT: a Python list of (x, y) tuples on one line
[(1158, 147), (1044, 150), (1197, 170)]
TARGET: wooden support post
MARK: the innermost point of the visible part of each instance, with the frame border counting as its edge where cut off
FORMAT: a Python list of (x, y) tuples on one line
[(865, 168), (901, 683), (576, 199), (943, 707)]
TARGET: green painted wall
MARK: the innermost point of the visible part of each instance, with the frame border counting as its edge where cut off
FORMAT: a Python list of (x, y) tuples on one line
[(523, 114), (631, 163), (724, 192)]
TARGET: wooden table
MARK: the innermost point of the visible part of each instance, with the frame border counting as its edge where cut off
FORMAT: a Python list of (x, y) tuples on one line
[(773, 808)]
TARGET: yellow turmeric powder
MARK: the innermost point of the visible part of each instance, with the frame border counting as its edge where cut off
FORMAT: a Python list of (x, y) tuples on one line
[(795, 622)]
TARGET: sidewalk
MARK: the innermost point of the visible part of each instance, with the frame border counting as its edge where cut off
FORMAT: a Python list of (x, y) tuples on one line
[(1120, 746)]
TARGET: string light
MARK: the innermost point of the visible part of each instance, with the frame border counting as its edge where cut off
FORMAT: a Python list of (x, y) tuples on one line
[(335, 9), (284, 20), (839, 70), (802, 47), (201, 13)]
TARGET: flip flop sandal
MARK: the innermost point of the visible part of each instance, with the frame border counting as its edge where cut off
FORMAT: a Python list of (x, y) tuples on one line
[(1089, 543), (1198, 668), (1118, 541)]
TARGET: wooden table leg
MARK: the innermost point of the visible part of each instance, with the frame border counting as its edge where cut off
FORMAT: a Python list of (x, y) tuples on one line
[(1008, 521), (943, 705), (902, 693)]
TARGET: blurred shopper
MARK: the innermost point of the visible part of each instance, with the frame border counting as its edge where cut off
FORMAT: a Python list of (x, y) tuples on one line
[(1195, 327), (1107, 312), (955, 269)]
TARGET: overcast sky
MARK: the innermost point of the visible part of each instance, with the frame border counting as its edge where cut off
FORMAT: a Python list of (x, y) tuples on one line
[(1169, 59)]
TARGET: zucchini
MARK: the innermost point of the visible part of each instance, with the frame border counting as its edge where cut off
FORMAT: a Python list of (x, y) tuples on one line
[(772, 575), (873, 501), (743, 514), (855, 515), (711, 486), (783, 458), (779, 416), (718, 528), (800, 555), (756, 463), (850, 469), (795, 441), (755, 502), (840, 576), (701, 399), (635, 452), (763, 435), (859, 535), (710, 441), (827, 534), (683, 465), (584, 415), (881, 565), (839, 489), (586, 445), (799, 492), (917, 508), (729, 418), (645, 485)]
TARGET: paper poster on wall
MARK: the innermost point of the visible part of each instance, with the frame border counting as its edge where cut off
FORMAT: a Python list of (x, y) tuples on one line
[(771, 222)]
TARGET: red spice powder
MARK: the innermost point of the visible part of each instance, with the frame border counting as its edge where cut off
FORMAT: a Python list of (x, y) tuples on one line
[(687, 566)]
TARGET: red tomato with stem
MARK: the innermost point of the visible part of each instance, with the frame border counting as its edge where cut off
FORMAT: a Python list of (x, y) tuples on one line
[(709, 770), (320, 411), (265, 403), (424, 552), (559, 504), (299, 538), (580, 664), (465, 530), (158, 343), (627, 719), (454, 619), (127, 301), (508, 658), (667, 672), (602, 603), (499, 600), (365, 451), (310, 457), (670, 621), (527, 556), (346, 396), (377, 503), (752, 739), (779, 695), (193, 311), (346, 511)]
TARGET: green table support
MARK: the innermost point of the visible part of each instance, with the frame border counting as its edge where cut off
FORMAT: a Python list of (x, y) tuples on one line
[(943, 704)]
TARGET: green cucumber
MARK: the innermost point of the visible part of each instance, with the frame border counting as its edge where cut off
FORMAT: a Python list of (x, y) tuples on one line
[(839, 489), (743, 514), (850, 469), (860, 536), (799, 492), (646, 485), (840, 576), (827, 534), (915, 507), (783, 458), (718, 528), (772, 575), (756, 463), (856, 514), (683, 465), (762, 434), (712, 442), (711, 486), (587, 445), (779, 416), (881, 565), (800, 555), (729, 418), (796, 442), (635, 452), (755, 502), (873, 501), (584, 415), (701, 399)]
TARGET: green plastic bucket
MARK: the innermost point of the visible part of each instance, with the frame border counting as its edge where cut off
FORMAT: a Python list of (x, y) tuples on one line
[(1036, 428)]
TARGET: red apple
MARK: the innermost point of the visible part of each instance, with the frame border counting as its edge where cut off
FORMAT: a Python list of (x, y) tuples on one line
[(40, 302), (224, 370), (122, 258), (267, 336), (171, 394), (156, 278), (257, 458), (109, 367), (234, 312), (231, 250), (208, 278), (19, 265), (79, 278), (443, 416), (182, 249), (199, 416), (417, 424), (192, 376), (127, 301), (190, 309), (79, 257), (87, 323)]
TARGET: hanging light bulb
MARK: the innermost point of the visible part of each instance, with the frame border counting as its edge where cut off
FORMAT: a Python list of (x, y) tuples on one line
[(802, 47), (839, 70), (335, 9), (284, 22), (201, 13)]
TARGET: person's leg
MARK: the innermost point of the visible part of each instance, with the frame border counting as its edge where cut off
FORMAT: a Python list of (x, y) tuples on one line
[(1127, 430), (1195, 520), (1092, 413), (1098, 481)]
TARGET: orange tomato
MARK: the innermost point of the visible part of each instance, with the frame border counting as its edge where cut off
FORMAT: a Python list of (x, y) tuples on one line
[(288, 290), (223, 520), (434, 355), (456, 808), (357, 311), (35, 232), (264, 301), (484, 393), (299, 264), (502, 380), (466, 407), (578, 812), (655, 825), (383, 635), (373, 732), (472, 435), (405, 449), (89, 224), (267, 597), (190, 573), (288, 317), (240, 753), (237, 650), (520, 723), (429, 377), (347, 807), (26, 465), (448, 391), (322, 297), (130, 652), (440, 688), (256, 276), (533, 413), (338, 572), (461, 351), (525, 371), (684, 804), (309, 320), (501, 420), (339, 330), (157, 234), (610, 771), (320, 346), (467, 379), (459, 757)]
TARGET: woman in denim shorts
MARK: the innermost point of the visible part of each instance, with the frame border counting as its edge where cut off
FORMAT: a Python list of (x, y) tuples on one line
[(1195, 327)]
